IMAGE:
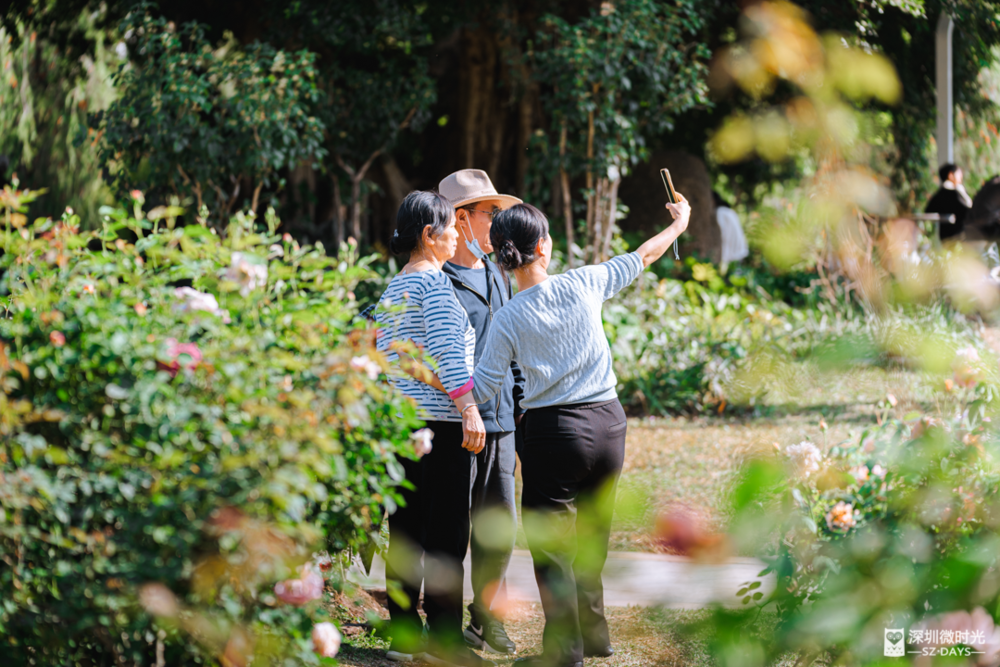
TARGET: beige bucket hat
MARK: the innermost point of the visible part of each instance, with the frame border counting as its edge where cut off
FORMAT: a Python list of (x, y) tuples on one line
[(468, 186)]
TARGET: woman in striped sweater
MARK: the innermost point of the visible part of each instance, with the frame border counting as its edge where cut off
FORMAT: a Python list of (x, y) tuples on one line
[(420, 305)]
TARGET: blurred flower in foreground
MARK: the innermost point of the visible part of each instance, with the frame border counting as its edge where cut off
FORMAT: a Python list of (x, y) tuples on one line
[(239, 650), (365, 364), (970, 284), (158, 600), (57, 338), (859, 473), (680, 530), (326, 640), (192, 299), (805, 457), (245, 273), (181, 356), (975, 629), (966, 373), (925, 424), (305, 589), (422, 441), (842, 517)]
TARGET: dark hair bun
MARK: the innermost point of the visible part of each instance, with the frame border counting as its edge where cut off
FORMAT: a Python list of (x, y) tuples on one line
[(419, 209), (515, 234), (508, 256)]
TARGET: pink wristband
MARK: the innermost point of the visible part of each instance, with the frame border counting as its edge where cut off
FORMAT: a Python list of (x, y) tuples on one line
[(461, 391)]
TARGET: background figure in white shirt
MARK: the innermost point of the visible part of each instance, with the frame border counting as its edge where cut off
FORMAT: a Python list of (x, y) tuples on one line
[(734, 242)]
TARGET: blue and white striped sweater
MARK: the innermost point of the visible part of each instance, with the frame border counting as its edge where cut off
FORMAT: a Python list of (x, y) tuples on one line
[(422, 307)]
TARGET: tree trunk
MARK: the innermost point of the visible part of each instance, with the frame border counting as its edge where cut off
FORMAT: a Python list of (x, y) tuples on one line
[(594, 237), (589, 183), (567, 197), (338, 214), (611, 218), (524, 118)]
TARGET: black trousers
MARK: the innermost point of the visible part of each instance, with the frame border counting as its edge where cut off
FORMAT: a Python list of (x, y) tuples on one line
[(432, 526), (494, 523), (571, 461)]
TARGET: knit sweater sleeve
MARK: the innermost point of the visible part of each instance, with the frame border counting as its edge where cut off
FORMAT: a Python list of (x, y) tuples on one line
[(446, 325), (494, 362), (617, 273)]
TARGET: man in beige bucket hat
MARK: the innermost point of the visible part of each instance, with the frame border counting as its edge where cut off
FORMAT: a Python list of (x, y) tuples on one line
[(481, 288)]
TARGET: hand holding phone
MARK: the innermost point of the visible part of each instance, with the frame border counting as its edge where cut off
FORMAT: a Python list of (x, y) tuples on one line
[(672, 197)]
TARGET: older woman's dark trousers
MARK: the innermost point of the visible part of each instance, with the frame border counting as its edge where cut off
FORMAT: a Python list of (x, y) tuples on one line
[(434, 524), (571, 461)]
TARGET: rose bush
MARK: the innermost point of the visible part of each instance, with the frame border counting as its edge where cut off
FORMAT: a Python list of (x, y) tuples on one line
[(177, 436), (898, 527)]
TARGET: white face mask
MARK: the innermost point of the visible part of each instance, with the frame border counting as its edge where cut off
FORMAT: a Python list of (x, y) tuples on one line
[(473, 245)]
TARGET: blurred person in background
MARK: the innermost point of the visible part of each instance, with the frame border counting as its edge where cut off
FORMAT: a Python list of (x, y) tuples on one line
[(482, 290), (950, 199), (734, 241)]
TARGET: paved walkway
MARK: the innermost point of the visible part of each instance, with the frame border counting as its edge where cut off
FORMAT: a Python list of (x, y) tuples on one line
[(630, 579)]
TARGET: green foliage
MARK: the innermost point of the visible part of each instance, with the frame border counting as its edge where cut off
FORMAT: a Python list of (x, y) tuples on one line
[(893, 527), (44, 101), (678, 344), (204, 124), (610, 81), (376, 78), (208, 438)]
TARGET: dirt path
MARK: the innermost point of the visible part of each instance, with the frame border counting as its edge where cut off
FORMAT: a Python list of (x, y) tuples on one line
[(641, 579)]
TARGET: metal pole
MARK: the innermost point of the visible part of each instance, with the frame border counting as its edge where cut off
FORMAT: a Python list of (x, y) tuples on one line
[(943, 79)]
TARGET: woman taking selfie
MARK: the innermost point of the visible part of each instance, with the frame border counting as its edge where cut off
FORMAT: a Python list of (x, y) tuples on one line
[(420, 306), (574, 425)]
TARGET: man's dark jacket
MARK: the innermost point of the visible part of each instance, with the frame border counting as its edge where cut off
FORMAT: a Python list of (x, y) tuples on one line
[(948, 202), (498, 413)]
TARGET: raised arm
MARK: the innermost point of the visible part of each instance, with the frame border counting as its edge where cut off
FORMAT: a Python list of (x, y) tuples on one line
[(653, 249), (493, 364)]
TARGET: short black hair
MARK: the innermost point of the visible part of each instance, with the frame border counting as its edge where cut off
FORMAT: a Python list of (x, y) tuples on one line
[(419, 209), (947, 170), (515, 234)]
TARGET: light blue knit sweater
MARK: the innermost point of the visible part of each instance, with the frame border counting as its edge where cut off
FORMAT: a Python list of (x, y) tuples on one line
[(554, 332)]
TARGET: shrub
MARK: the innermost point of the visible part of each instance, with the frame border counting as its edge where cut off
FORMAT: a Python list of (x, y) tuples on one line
[(891, 529), (200, 123), (189, 409)]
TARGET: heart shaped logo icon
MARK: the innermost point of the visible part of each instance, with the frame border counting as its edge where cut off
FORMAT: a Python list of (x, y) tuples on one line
[(894, 637)]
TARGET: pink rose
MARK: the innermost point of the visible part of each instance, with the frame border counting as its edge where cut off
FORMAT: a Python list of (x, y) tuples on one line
[(326, 640), (57, 338), (181, 355), (305, 589)]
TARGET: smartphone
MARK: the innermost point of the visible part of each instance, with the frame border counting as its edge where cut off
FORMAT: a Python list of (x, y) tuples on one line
[(672, 196)]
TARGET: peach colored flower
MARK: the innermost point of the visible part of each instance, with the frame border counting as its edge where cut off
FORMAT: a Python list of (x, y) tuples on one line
[(842, 517), (140, 309), (859, 473), (57, 338), (305, 589), (326, 640), (924, 425)]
